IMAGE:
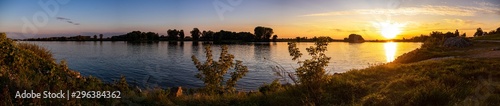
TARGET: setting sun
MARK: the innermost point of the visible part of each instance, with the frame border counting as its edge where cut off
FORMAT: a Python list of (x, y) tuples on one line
[(389, 29)]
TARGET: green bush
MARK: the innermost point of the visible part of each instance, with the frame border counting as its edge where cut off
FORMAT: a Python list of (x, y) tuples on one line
[(30, 67), (311, 71), (39, 51), (212, 72), (269, 88)]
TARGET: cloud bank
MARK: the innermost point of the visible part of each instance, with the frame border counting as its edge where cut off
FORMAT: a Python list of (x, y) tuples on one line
[(421, 10)]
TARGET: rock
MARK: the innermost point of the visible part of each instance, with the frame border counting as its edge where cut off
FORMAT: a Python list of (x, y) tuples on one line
[(495, 49), (355, 38), (138, 89), (176, 92), (456, 42)]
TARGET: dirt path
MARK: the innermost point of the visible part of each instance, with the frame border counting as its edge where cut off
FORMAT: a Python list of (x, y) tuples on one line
[(485, 49), (487, 52)]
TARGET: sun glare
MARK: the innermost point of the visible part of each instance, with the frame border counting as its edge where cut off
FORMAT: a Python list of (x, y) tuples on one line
[(389, 29), (390, 51)]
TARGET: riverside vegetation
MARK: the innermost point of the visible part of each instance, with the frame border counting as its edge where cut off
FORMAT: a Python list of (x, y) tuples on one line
[(407, 81)]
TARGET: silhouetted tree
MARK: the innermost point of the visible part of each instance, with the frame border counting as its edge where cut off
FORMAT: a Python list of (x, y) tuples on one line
[(100, 36), (449, 34), (492, 32), (479, 32), (437, 34), (464, 35), (151, 36), (498, 30), (195, 33), (457, 33), (208, 35), (172, 34), (275, 37), (263, 33), (136, 36), (95, 37), (181, 35)]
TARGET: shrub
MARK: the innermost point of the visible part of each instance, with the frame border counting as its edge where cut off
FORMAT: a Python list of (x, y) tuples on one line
[(212, 72), (269, 88), (312, 70), (39, 51), (311, 73)]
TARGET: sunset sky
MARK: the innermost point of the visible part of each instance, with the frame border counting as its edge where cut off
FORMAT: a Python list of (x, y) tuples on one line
[(288, 18)]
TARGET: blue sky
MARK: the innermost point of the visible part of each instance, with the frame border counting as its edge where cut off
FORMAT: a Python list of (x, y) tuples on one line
[(289, 18)]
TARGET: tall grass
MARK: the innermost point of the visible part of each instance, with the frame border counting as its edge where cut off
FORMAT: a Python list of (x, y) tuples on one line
[(37, 50)]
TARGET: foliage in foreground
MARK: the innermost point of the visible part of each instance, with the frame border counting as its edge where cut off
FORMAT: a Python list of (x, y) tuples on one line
[(29, 67), (442, 82), (212, 72)]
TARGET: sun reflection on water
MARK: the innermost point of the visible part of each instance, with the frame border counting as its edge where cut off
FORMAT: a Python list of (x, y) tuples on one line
[(390, 51)]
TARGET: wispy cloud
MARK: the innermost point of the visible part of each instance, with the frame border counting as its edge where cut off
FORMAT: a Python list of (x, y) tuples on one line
[(482, 3), (67, 20), (62, 18), (421, 10), (349, 31)]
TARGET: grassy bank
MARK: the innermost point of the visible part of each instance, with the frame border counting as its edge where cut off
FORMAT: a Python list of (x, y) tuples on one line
[(407, 81), (29, 67), (489, 37)]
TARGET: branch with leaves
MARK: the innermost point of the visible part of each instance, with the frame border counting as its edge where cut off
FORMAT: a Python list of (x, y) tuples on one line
[(212, 72)]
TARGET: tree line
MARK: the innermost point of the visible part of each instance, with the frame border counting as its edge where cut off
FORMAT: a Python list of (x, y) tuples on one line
[(261, 34), (441, 35)]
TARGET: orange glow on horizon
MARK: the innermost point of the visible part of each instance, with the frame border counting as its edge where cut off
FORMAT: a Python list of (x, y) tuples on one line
[(389, 29)]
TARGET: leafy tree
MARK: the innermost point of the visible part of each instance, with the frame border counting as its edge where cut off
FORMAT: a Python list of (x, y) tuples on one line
[(492, 32), (208, 35), (498, 30), (259, 32), (269, 32), (479, 32), (437, 34), (311, 70), (245, 36), (275, 37), (152, 36), (172, 34), (212, 72), (181, 35), (450, 34), (263, 33), (195, 33), (95, 37), (100, 36)]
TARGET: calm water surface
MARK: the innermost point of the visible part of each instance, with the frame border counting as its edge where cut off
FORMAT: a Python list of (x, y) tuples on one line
[(167, 65)]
